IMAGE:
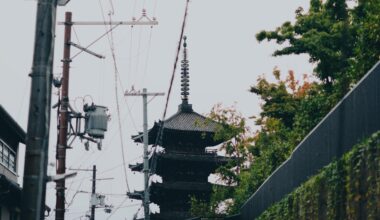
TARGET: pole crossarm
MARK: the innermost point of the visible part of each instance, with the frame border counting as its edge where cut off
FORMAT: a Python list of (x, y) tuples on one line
[(142, 94), (131, 23)]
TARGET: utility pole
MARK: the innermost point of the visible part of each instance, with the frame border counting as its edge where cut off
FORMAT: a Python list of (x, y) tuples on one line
[(63, 122), (146, 169), (95, 200), (64, 108), (37, 139), (93, 192)]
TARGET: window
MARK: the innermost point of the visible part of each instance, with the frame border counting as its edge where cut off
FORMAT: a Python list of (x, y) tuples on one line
[(12, 162), (7, 157)]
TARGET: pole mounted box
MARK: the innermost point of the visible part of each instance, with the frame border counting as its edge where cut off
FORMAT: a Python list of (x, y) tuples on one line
[(96, 120)]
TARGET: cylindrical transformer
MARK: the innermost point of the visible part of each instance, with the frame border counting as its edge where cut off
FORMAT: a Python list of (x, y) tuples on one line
[(96, 121)]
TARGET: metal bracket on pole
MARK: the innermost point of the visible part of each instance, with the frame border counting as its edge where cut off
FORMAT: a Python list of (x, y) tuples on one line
[(87, 50), (61, 176), (62, 2)]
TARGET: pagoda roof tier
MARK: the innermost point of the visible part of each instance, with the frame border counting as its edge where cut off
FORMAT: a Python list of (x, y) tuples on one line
[(175, 195), (179, 191), (185, 161), (186, 126)]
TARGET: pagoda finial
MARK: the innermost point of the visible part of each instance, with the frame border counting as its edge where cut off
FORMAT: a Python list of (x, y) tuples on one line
[(185, 74)]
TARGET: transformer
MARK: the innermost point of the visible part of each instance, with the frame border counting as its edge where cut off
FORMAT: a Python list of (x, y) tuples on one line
[(96, 119)]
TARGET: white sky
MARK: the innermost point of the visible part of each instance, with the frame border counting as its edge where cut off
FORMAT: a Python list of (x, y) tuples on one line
[(225, 59)]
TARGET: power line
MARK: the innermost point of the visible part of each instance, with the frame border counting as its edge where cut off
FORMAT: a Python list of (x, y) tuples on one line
[(116, 73), (96, 40), (76, 35), (147, 57), (120, 206), (110, 38), (161, 128)]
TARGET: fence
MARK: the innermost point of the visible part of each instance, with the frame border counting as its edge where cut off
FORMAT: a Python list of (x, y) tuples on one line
[(354, 118)]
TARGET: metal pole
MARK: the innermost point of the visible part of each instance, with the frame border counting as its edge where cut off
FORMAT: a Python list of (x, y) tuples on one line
[(146, 170), (37, 139), (63, 122), (146, 160), (93, 192)]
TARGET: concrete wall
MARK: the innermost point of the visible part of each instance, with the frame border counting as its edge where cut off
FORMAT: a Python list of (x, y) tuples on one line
[(354, 118)]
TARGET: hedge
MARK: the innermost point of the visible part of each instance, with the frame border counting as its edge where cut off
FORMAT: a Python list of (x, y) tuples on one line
[(348, 188)]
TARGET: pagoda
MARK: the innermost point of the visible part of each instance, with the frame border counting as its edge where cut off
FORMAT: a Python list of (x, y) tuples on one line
[(184, 165)]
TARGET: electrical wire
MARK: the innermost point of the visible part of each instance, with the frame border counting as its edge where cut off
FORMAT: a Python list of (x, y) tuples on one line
[(116, 73), (119, 165), (76, 35), (138, 210), (96, 40), (147, 56), (161, 128), (130, 53), (176, 59), (120, 206), (138, 51), (72, 199)]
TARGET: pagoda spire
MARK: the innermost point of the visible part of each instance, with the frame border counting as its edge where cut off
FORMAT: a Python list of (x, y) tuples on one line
[(185, 75)]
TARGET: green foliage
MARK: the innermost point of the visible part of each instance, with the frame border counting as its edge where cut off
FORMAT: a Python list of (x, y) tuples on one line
[(274, 141), (343, 43), (199, 207), (345, 189), (232, 129)]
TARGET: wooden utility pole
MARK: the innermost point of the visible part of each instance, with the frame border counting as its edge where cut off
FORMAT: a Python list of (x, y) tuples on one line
[(63, 122), (37, 138), (146, 169), (93, 195), (64, 101)]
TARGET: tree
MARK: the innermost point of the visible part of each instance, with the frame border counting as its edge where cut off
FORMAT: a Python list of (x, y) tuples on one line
[(231, 129), (343, 42)]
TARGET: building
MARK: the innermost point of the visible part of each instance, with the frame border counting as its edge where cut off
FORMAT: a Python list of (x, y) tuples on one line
[(185, 164), (11, 134)]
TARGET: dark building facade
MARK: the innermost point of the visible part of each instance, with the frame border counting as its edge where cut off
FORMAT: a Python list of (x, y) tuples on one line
[(185, 164), (11, 134)]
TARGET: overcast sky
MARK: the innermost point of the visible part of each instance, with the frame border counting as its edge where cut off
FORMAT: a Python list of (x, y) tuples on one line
[(225, 60)]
